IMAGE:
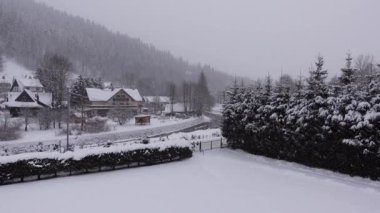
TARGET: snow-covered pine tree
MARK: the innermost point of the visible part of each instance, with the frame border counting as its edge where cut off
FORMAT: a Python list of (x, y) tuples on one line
[(268, 86), (348, 73), (299, 87), (316, 81), (230, 122), (78, 91)]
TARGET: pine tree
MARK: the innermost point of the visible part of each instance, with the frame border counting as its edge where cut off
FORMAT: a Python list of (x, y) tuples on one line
[(204, 99), (348, 73), (268, 87), (316, 81), (299, 86)]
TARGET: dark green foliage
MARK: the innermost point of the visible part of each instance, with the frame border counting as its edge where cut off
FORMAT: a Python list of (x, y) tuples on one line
[(37, 167), (203, 99), (338, 131)]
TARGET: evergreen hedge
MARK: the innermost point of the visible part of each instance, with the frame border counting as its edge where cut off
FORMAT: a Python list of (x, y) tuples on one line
[(332, 127), (38, 167)]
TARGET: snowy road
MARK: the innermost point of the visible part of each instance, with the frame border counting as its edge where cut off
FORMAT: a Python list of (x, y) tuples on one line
[(88, 139), (218, 181)]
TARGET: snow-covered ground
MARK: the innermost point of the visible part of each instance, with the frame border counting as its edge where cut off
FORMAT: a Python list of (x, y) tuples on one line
[(40, 140), (12, 70), (216, 181), (217, 109), (35, 134)]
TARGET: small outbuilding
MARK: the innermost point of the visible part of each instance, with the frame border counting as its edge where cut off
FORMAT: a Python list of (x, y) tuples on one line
[(142, 119)]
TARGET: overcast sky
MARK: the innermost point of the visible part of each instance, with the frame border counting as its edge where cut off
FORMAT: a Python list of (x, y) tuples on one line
[(246, 37)]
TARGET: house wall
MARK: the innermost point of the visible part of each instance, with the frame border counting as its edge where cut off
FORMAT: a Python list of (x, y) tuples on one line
[(119, 100)]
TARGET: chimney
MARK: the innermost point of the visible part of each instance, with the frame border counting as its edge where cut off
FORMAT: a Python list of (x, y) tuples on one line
[(37, 97)]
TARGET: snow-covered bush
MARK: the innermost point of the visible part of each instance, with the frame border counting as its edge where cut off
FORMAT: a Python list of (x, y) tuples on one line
[(82, 161), (96, 124)]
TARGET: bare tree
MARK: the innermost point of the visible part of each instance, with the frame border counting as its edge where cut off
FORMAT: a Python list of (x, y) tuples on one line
[(172, 94), (365, 69), (27, 113), (185, 95), (45, 118), (53, 73)]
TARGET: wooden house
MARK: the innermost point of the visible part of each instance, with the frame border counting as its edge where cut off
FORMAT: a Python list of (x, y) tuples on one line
[(156, 104), (27, 93), (101, 101)]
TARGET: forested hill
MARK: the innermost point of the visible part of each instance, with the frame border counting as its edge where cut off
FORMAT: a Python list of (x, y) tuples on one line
[(28, 30)]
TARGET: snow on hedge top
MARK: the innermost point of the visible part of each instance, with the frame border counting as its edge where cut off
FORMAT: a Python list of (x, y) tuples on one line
[(95, 94), (82, 153)]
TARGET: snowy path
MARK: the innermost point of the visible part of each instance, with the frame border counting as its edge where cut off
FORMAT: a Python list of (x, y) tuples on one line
[(218, 181)]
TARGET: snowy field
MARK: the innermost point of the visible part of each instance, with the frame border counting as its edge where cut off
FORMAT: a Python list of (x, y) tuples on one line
[(216, 181)]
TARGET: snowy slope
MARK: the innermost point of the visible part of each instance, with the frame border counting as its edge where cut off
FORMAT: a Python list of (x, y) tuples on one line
[(13, 69), (218, 181)]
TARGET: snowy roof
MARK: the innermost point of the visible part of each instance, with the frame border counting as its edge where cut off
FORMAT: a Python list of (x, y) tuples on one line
[(162, 99), (142, 116), (19, 104), (107, 84), (95, 94), (43, 97), (28, 81), (178, 107)]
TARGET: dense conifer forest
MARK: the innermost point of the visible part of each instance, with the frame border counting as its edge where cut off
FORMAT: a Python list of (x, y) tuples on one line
[(30, 30)]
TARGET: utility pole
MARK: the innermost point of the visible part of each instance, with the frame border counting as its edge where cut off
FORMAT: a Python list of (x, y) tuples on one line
[(68, 120)]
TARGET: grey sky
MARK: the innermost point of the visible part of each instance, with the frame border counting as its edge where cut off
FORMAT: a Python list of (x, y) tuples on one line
[(246, 37)]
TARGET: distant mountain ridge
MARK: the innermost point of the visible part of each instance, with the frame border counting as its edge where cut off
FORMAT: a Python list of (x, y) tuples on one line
[(28, 30)]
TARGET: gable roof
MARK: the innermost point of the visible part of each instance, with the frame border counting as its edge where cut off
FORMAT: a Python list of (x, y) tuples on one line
[(43, 100), (95, 94), (28, 97), (28, 82)]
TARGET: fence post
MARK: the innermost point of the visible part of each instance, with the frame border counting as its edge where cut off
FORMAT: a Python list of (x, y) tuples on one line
[(221, 143), (211, 145), (200, 146)]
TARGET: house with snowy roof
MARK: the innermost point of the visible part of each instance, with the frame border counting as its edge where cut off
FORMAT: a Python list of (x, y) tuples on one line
[(27, 83), (27, 93), (156, 104), (101, 101), (174, 108)]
